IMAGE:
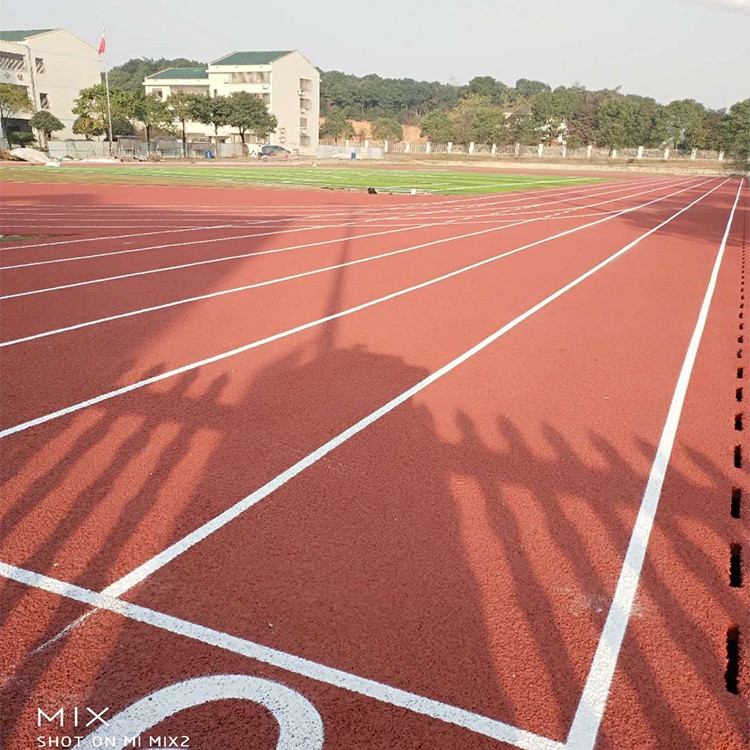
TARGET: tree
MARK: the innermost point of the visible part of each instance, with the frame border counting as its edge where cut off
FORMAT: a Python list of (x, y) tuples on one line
[(153, 113), (120, 126), (129, 76), (184, 107), (248, 113), (476, 119), (87, 127), (14, 100), (212, 110), (438, 127), (387, 129), (552, 110), (487, 86), (617, 123), (92, 104), (336, 126), (46, 122), (684, 124), (527, 89), (735, 130)]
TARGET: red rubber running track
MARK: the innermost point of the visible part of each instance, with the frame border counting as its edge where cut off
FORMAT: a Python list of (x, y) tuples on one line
[(347, 471)]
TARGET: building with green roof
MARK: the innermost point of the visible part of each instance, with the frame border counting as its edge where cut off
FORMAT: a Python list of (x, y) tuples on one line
[(286, 81), (52, 66)]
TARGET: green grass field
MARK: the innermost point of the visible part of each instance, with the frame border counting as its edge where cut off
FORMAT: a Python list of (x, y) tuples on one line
[(344, 177)]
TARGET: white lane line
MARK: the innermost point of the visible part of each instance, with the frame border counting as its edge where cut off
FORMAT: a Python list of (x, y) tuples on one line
[(288, 230), (155, 308), (212, 240), (322, 673), (240, 256), (320, 321), (109, 237), (157, 562), (590, 711)]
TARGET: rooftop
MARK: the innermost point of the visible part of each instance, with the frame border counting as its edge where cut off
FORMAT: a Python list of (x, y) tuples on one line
[(19, 35), (177, 73), (251, 58)]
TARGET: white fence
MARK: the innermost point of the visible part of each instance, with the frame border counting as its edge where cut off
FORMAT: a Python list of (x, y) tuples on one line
[(370, 150)]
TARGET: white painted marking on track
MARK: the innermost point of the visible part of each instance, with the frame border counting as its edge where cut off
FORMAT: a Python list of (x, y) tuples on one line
[(318, 226), (305, 326), (154, 308), (590, 711), (291, 663), (146, 569), (300, 725), (240, 256)]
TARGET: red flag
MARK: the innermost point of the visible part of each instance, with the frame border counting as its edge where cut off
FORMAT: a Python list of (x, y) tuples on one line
[(102, 46)]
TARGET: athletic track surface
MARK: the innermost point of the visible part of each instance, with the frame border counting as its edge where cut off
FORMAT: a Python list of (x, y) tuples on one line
[(303, 470)]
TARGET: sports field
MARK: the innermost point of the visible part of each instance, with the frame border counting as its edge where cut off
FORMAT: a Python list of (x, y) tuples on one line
[(323, 470), (342, 177)]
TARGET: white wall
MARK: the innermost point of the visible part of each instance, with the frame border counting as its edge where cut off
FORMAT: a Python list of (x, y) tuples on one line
[(71, 65), (285, 77)]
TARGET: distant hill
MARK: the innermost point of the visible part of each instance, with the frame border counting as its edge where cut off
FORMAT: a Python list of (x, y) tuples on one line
[(129, 76)]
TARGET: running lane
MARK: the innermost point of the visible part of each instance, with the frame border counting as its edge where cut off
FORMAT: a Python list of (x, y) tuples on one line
[(463, 548)]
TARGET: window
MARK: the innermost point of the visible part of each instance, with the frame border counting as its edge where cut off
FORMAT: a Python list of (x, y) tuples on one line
[(216, 92), (250, 77), (303, 122), (157, 93), (305, 84), (44, 101), (40, 66), (304, 140), (305, 104), (12, 61)]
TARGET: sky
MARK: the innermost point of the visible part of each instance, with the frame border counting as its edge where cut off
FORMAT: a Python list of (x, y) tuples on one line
[(666, 49)]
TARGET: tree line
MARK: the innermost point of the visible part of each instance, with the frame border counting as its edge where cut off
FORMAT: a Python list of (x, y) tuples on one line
[(531, 112), (483, 111), (241, 110)]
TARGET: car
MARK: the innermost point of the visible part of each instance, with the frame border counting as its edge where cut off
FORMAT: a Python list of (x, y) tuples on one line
[(273, 152)]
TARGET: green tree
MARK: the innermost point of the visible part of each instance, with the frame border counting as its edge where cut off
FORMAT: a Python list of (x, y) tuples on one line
[(87, 127), (153, 113), (527, 89), (46, 122), (735, 130), (552, 110), (684, 124), (212, 110), (14, 100), (522, 129), (498, 92), (336, 126), (437, 126), (476, 119), (387, 129), (617, 123), (92, 104), (129, 76), (490, 126), (184, 107), (120, 126), (712, 128), (248, 113)]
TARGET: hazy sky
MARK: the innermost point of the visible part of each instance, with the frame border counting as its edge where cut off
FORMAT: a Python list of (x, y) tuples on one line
[(668, 49)]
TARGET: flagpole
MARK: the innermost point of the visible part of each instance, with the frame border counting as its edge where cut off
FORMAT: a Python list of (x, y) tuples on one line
[(103, 48)]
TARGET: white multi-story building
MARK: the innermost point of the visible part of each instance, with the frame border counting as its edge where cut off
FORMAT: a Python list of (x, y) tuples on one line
[(286, 81), (53, 65)]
